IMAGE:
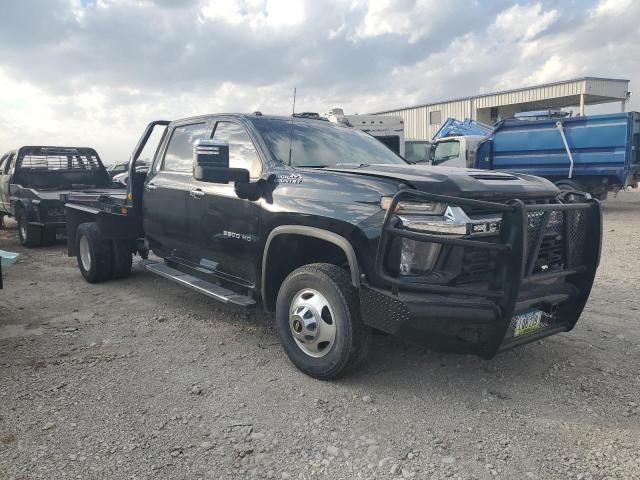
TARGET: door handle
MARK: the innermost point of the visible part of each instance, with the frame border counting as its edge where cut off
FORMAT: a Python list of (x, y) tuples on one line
[(150, 187), (197, 193)]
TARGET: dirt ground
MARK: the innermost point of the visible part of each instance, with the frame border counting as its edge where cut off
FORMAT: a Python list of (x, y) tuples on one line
[(141, 378)]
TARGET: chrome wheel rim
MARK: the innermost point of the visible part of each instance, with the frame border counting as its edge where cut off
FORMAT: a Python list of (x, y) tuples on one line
[(85, 254), (312, 323), (23, 231)]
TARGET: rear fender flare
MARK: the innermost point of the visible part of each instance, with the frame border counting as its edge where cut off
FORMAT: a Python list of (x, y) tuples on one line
[(24, 204), (313, 232)]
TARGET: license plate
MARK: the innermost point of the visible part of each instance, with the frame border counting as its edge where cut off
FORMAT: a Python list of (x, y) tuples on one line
[(527, 322)]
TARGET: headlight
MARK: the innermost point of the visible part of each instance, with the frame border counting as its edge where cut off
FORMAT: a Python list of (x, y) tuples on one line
[(418, 258), (454, 221), (414, 208)]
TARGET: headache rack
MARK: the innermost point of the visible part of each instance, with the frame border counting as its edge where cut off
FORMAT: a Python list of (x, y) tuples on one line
[(57, 158), (535, 243)]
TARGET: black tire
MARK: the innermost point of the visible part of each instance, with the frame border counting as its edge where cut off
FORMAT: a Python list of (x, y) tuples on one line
[(97, 266), (568, 186), (1, 221), (352, 337), (29, 236), (122, 259)]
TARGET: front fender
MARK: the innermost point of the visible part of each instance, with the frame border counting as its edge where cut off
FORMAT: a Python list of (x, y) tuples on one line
[(313, 232)]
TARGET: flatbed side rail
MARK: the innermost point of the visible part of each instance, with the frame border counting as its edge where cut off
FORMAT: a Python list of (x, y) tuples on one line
[(114, 222)]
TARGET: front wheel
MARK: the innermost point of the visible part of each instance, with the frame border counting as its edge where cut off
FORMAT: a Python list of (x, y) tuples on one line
[(568, 186), (318, 320)]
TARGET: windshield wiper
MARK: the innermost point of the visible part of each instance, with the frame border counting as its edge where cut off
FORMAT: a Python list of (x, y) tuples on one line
[(352, 165)]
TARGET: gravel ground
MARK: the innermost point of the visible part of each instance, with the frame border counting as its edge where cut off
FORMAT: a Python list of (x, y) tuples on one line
[(141, 378)]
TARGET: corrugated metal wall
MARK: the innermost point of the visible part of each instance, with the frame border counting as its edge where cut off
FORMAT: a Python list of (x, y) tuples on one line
[(607, 88), (417, 124), (417, 119), (534, 94)]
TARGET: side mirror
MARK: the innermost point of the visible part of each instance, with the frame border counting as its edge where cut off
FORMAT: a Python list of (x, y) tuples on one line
[(211, 163)]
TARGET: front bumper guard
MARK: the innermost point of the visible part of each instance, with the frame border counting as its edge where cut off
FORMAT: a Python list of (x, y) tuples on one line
[(478, 319)]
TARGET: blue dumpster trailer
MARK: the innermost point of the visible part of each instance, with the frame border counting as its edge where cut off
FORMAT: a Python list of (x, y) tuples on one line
[(596, 154)]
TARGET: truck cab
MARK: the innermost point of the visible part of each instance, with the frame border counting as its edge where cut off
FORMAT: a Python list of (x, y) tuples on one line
[(457, 151), (338, 236)]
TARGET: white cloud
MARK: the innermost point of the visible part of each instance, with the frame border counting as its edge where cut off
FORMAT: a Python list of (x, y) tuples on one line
[(523, 22), (107, 69), (255, 13), (611, 7), (412, 19)]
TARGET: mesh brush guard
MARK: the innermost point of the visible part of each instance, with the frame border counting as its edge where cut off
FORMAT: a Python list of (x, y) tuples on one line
[(537, 244)]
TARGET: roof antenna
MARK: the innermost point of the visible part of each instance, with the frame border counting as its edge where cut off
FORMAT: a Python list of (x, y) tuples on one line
[(293, 112)]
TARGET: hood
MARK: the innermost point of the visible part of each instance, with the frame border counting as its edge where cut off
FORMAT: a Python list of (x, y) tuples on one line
[(461, 182)]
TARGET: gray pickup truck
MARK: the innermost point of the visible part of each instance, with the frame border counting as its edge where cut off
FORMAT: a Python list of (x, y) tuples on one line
[(32, 178)]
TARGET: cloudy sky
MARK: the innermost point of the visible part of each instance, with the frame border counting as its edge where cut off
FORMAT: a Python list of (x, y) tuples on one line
[(94, 72)]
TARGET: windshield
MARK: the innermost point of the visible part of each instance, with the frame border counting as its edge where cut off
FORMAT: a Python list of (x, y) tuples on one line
[(321, 144), (448, 152), (417, 151)]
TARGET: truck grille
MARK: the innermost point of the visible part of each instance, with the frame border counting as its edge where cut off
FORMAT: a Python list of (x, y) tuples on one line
[(561, 247), (477, 266)]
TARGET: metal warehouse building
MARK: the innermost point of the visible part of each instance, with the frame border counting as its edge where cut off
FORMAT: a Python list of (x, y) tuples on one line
[(423, 121)]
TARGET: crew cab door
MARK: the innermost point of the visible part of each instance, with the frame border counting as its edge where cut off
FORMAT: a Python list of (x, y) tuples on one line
[(166, 190), (224, 228)]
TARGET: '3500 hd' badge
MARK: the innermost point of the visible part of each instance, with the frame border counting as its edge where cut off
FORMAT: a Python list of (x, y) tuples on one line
[(238, 236)]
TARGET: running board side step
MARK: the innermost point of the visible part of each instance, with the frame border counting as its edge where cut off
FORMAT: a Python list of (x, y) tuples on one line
[(207, 288)]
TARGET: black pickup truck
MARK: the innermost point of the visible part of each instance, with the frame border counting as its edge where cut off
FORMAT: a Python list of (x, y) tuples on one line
[(32, 178), (337, 235)]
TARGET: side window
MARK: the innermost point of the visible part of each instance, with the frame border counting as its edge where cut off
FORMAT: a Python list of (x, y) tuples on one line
[(7, 165), (242, 153), (179, 154)]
